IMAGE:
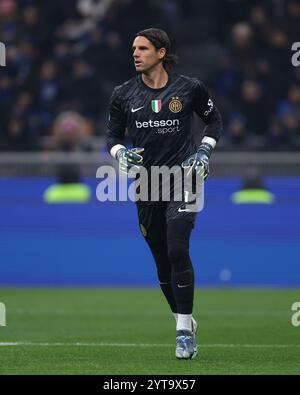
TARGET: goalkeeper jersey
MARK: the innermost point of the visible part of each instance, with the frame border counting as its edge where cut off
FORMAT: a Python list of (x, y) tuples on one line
[(159, 120)]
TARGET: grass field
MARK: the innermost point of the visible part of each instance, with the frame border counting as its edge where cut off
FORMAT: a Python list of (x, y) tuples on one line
[(130, 331)]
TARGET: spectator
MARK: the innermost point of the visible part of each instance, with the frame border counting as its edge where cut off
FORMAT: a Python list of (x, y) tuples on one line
[(17, 138), (70, 132), (82, 90), (291, 105), (237, 136), (281, 135), (254, 106), (292, 25), (48, 85), (242, 46)]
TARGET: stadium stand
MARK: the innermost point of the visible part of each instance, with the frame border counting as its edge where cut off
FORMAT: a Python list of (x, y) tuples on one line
[(68, 56)]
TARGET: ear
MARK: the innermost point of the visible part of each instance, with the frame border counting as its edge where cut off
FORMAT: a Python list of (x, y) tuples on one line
[(162, 53)]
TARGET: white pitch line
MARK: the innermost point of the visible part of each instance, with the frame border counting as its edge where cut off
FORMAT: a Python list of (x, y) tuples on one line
[(214, 312), (26, 344)]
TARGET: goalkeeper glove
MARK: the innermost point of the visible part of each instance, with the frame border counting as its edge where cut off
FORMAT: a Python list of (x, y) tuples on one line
[(198, 163), (129, 158)]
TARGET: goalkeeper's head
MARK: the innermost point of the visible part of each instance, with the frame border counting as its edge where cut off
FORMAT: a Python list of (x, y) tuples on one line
[(150, 48)]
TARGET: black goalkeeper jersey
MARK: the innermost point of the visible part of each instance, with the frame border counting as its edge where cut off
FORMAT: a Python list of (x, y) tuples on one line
[(159, 120)]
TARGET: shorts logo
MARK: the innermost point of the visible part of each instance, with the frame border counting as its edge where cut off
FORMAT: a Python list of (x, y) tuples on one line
[(186, 210), (156, 105), (143, 230), (175, 104)]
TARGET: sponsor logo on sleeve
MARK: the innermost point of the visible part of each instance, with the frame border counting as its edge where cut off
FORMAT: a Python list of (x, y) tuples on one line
[(210, 107)]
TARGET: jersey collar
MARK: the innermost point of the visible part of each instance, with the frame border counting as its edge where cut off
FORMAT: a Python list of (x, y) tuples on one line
[(170, 75)]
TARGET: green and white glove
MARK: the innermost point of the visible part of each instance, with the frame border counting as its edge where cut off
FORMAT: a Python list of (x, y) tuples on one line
[(129, 158), (198, 163)]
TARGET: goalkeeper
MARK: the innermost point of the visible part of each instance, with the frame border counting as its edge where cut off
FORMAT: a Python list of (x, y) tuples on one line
[(156, 107)]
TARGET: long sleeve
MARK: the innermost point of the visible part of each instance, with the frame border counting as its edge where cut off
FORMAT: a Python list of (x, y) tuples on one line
[(116, 123), (208, 112)]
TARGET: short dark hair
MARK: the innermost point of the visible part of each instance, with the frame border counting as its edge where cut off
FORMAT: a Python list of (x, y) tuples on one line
[(160, 39)]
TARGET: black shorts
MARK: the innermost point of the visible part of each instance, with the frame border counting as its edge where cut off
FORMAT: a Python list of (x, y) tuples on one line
[(153, 217)]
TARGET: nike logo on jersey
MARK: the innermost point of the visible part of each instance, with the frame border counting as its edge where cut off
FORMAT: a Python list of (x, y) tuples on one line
[(136, 109)]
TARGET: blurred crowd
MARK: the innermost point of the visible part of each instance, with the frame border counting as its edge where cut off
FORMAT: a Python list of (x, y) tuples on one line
[(63, 59), (257, 85)]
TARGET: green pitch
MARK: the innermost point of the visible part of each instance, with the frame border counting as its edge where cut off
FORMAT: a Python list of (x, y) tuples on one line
[(130, 331)]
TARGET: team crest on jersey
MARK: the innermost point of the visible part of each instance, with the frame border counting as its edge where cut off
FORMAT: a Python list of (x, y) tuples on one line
[(175, 104), (156, 105)]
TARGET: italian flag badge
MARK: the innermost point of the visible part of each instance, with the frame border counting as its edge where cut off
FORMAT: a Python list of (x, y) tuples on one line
[(156, 105)]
